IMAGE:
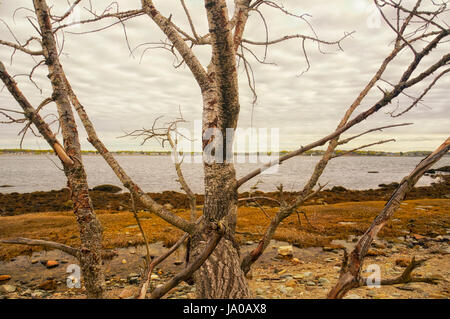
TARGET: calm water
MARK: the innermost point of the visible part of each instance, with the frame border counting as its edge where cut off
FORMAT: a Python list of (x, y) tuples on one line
[(29, 173)]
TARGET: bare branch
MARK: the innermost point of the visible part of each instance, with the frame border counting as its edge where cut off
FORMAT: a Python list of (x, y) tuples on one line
[(148, 273), (67, 13), (21, 48), (188, 15), (361, 147), (417, 100), (370, 131), (34, 117), (217, 235), (297, 36), (173, 35)]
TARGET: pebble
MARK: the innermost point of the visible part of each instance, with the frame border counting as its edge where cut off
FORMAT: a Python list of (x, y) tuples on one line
[(51, 264), (408, 287), (26, 292), (37, 294), (323, 281), (124, 261), (5, 277), (285, 290), (291, 283), (378, 245), (285, 251), (7, 288), (154, 277), (307, 274), (133, 278), (310, 283)]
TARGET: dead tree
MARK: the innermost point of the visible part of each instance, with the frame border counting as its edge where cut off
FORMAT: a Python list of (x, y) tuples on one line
[(70, 156), (215, 263)]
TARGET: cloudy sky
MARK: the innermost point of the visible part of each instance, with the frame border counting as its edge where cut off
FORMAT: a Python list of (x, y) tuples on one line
[(123, 91)]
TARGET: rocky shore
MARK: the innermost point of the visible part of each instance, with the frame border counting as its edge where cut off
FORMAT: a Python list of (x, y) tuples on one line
[(313, 241), (108, 197), (306, 273)]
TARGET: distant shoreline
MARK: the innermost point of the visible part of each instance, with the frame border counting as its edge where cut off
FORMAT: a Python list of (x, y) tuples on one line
[(166, 153)]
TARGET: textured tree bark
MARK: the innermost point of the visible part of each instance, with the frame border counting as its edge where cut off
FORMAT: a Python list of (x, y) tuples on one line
[(220, 276), (90, 228)]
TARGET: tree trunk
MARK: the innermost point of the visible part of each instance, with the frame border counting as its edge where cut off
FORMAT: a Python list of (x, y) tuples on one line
[(221, 275), (90, 227)]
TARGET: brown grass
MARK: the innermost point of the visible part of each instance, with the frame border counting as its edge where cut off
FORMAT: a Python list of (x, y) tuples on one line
[(432, 217)]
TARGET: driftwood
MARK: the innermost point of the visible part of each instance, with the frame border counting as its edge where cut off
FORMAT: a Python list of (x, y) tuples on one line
[(351, 269)]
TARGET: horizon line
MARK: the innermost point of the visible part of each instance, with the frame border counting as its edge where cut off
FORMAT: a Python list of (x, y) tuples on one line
[(17, 150)]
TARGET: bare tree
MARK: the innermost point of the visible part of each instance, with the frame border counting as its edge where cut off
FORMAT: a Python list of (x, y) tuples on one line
[(89, 253), (215, 263)]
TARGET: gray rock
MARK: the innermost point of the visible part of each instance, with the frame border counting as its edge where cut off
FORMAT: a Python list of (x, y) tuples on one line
[(307, 274), (26, 292), (323, 281), (133, 280), (283, 289), (107, 188), (37, 294), (310, 283)]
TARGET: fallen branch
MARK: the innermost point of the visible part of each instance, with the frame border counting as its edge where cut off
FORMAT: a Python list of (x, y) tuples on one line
[(351, 268), (75, 252)]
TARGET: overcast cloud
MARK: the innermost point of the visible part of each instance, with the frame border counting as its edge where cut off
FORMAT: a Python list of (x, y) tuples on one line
[(123, 93)]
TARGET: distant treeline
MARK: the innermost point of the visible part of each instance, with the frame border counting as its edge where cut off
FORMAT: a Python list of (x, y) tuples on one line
[(150, 153)]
